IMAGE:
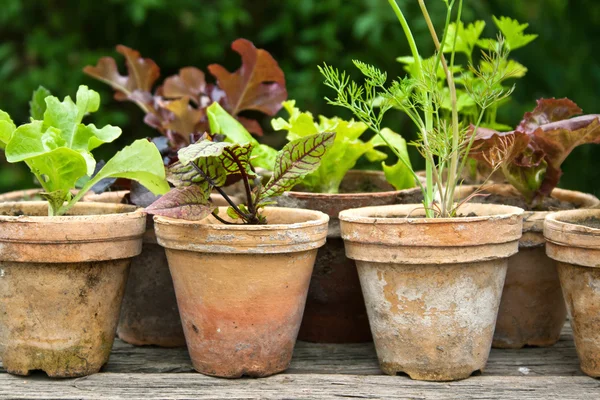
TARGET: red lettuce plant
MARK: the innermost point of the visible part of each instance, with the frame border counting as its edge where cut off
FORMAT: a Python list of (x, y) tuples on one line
[(536, 149), (177, 108)]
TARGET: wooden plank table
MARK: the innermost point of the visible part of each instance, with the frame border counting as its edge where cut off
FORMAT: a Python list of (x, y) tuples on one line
[(319, 371)]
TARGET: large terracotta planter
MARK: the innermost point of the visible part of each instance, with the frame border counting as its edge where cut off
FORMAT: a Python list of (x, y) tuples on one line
[(62, 282), (573, 240), (335, 310), (532, 310), (432, 286), (241, 289)]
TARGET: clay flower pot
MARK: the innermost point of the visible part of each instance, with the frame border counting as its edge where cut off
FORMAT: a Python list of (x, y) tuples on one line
[(62, 282), (335, 310), (573, 240), (241, 289), (432, 286), (532, 310)]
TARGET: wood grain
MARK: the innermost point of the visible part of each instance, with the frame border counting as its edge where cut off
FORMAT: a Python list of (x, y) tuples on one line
[(318, 371)]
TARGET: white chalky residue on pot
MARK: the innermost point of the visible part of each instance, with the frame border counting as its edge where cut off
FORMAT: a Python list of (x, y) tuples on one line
[(463, 304), (2, 273), (594, 284)]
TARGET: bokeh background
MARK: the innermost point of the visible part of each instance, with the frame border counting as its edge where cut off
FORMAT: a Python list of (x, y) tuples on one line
[(48, 42)]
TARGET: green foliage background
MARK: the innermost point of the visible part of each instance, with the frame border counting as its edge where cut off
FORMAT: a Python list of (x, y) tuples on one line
[(49, 41)]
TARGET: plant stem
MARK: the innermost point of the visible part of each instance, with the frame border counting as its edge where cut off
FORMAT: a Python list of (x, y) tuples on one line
[(448, 201), (246, 181), (221, 192), (214, 214), (428, 189)]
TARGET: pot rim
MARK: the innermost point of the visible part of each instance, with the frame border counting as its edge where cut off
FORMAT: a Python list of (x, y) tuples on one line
[(128, 211), (364, 215), (71, 238), (566, 222), (321, 218), (351, 195), (345, 196), (580, 199)]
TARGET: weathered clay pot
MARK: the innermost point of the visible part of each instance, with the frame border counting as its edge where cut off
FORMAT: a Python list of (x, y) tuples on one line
[(532, 310), (335, 310), (432, 286), (62, 282), (149, 314), (573, 240), (241, 289)]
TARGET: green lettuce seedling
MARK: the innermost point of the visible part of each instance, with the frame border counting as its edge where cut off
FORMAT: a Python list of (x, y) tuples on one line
[(56, 146), (346, 150)]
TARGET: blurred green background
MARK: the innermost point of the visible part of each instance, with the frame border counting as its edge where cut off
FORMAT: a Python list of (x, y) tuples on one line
[(49, 41)]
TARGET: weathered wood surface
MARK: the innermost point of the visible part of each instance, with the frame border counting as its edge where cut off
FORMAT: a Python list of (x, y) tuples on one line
[(317, 371)]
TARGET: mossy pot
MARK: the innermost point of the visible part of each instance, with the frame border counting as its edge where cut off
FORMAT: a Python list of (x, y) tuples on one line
[(61, 284)]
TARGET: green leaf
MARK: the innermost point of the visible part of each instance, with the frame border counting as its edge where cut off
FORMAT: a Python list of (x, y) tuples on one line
[(232, 213), (37, 105), (7, 127), (140, 162), (297, 159), (513, 32), (201, 149), (191, 203), (29, 140), (66, 115), (221, 122), (466, 37), (400, 174), (340, 158), (58, 169)]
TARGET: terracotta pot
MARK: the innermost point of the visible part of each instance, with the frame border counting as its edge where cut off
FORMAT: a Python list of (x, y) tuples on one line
[(335, 310), (573, 240), (241, 289), (532, 310), (149, 314), (62, 282), (432, 286)]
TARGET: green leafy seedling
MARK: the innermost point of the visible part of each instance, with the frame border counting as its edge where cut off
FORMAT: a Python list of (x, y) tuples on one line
[(57, 147)]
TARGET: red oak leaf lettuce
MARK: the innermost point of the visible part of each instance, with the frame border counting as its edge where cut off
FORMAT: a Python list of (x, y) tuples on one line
[(538, 146), (177, 108)]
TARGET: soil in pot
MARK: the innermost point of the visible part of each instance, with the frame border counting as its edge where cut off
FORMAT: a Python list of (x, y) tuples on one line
[(573, 240), (532, 310), (241, 289), (432, 286), (62, 282), (335, 309)]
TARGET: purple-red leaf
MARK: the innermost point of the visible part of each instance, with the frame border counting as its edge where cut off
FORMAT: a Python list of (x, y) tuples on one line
[(541, 143), (191, 203), (558, 139), (259, 84), (547, 111), (143, 73), (189, 82)]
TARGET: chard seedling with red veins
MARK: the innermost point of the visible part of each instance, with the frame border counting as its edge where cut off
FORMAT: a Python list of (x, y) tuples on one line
[(539, 145), (178, 107), (56, 146), (439, 96), (206, 165)]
